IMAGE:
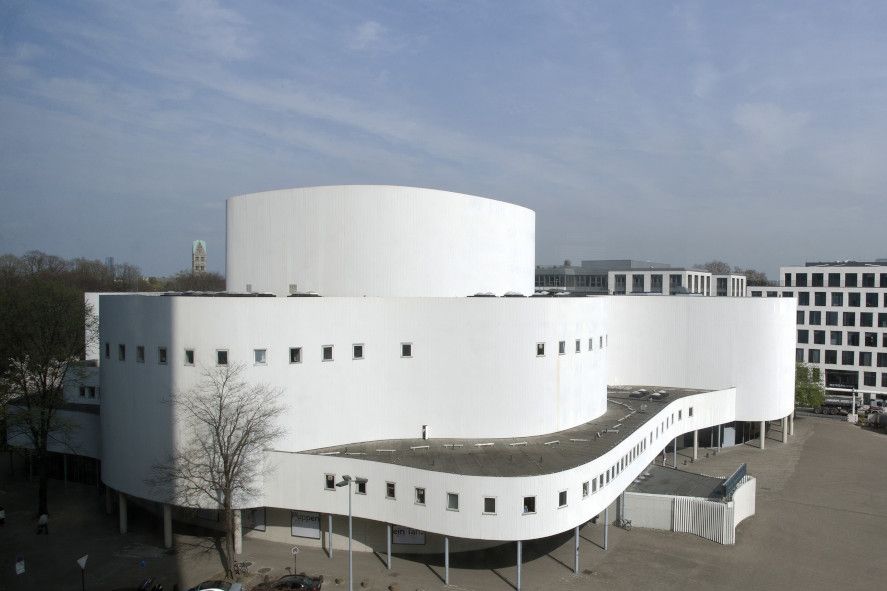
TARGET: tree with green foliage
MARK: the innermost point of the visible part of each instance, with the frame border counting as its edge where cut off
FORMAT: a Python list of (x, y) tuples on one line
[(809, 390)]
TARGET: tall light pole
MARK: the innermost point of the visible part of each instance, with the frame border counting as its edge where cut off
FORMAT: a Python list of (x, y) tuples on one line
[(346, 481)]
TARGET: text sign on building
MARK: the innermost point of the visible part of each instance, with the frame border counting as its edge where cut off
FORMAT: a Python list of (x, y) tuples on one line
[(305, 525), (406, 535)]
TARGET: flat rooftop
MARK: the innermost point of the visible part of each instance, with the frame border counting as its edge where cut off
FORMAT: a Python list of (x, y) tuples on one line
[(628, 409), (660, 480)]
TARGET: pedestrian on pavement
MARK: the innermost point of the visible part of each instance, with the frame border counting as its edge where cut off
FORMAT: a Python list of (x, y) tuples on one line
[(43, 524)]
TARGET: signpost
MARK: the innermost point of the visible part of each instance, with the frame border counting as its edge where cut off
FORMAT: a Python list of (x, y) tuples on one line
[(295, 554), (82, 563)]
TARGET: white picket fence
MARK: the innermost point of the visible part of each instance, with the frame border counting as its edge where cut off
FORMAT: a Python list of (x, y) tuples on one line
[(713, 520)]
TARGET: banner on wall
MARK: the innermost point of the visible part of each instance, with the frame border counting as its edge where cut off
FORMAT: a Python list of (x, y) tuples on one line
[(305, 525), (406, 535)]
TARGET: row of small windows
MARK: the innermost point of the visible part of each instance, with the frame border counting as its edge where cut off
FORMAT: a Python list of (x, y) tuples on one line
[(260, 356), (836, 337), (854, 299), (815, 317), (529, 502), (862, 359), (602, 341), (89, 391), (834, 279)]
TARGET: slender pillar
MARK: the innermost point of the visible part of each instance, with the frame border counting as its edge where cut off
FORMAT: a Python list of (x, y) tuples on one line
[(238, 533), (447, 561), (167, 526), (576, 557), (606, 525), (711, 439), (791, 424), (695, 445), (388, 562), (109, 503), (785, 429), (763, 434), (675, 458), (121, 503), (519, 560), (329, 533)]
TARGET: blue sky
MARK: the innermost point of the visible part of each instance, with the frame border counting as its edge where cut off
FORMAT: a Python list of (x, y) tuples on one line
[(754, 133)]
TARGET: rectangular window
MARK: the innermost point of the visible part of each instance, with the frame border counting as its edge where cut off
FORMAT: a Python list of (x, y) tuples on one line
[(831, 356), (802, 336), (295, 354), (847, 357), (82, 391), (362, 486), (584, 489), (819, 298), (140, 353), (260, 356), (882, 359), (865, 359), (406, 349), (221, 357), (788, 279), (540, 349), (91, 391), (799, 355), (869, 378), (799, 318), (691, 411), (601, 342), (837, 299), (871, 339), (578, 345), (562, 499), (788, 294), (882, 320), (868, 279), (452, 502), (850, 279), (561, 347), (853, 339), (814, 318), (326, 353), (329, 481), (835, 338), (161, 355), (849, 318), (357, 351), (834, 280), (680, 414), (866, 318), (107, 350), (803, 298), (389, 490), (420, 496), (489, 505), (121, 352), (883, 375), (801, 279), (871, 300), (529, 505), (594, 486), (816, 279), (813, 355), (853, 299), (189, 356)]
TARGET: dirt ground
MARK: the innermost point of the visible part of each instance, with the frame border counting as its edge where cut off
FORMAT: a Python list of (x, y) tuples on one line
[(821, 523)]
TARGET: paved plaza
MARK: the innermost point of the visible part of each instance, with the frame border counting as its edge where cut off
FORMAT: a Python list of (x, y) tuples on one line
[(821, 523)]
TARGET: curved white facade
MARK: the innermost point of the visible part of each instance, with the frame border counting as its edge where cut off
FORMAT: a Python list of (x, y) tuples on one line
[(478, 367), (359, 240)]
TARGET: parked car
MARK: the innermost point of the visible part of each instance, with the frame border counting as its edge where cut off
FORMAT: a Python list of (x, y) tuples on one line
[(217, 586), (300, 582)]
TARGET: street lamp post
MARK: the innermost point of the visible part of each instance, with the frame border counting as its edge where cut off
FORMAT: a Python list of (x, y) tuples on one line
[(346, 481)]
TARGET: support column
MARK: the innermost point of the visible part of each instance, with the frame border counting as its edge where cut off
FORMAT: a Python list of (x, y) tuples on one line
[(606, 525), (519, 560), (695, 445), (109, 503), (329, 533), (576, 557), (763, 434), (238, 533), (167, 526), (121, 504), (675, 458), (447, 561), (791, 424), (388, 530), (785, 429)]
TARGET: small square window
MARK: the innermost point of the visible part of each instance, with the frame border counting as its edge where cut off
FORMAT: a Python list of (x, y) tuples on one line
[(357, 351), (578, 345), (140, 353), (295, 354), (327, 353), (389, 490), (221, 357), (329, 481), (260, 356), (121, 352), (189, 356), (529, 505), (361, 487), (406, 349), (489, 505), (591, 344), (420, 496), (562, 499), (561, 347), (584, 489), (161, 355), (540, 349), (452, 501)]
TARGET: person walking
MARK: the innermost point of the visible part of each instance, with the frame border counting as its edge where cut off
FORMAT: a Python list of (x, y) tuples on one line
[(43, 524)]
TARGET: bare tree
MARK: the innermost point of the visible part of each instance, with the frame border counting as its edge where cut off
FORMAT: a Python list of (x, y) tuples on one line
[(229, 423), (716, 267)]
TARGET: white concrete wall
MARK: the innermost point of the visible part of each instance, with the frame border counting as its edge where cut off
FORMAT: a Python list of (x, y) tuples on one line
[(650, 511), (378, 241), (708, 343)]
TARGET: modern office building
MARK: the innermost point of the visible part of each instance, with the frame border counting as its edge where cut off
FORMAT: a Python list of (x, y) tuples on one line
[(198, 256), (841, 321), (624, 276), (475, 421)]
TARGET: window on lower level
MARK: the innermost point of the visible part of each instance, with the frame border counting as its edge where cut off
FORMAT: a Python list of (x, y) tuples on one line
[(260, 356), (869, 378), (452, 502), (489, 505), (329, 481), (189, 356), (831, 356), (121, 352), (561, 347), (295, 354), (584, 489), (107, 350), (140, 353), (361, 487), (529, 505), (562, 499), (578, 345), (865, 358), (327, 353), (813, 356), (357, 351), (406, 349), (82, 391), (847, 357), (161, 355), (389, 490), (420, 496), (221, 357), (540, 349)]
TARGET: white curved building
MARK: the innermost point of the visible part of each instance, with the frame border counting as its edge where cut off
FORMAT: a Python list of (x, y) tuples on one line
[(512, 392)]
